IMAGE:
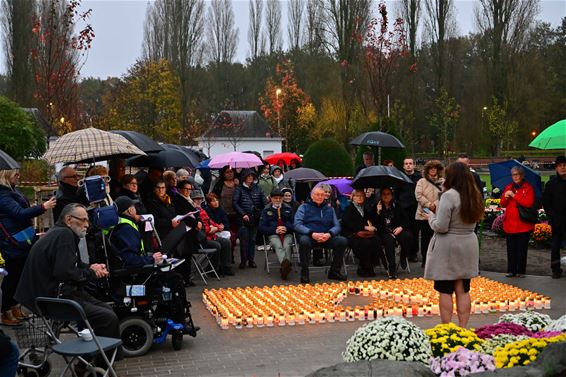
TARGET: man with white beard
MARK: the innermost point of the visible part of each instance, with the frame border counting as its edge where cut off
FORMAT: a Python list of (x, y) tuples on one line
[(54, 259)]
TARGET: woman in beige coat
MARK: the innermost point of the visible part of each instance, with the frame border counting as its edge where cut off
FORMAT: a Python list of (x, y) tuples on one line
[(453, 253), (427, 193)]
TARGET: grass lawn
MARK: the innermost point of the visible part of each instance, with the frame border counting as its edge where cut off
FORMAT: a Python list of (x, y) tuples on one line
[(545, 175)]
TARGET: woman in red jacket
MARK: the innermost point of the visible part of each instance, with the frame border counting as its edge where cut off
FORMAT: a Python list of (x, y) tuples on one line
[(517, 231)]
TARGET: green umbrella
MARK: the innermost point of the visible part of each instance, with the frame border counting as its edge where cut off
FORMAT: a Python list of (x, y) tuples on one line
[(553, 137)]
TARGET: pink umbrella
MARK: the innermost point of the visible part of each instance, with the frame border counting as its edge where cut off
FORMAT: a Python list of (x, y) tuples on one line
[(235, 160)]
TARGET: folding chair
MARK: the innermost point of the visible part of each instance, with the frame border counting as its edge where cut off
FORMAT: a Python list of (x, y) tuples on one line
[(266, 249), (203, 264), (348, 254), (58, 309)]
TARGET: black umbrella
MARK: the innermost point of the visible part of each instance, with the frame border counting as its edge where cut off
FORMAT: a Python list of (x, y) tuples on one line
[(164, 159), (380, 176), (377, 139), (7, 162), (192, 156), (141, 141), (305, 175)]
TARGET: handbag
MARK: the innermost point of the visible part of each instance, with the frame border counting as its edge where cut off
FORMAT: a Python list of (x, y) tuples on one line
[(528, 214), (23, 240), (365, 234)]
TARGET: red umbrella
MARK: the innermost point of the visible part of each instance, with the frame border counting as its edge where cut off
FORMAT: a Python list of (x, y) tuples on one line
[(285, 156)]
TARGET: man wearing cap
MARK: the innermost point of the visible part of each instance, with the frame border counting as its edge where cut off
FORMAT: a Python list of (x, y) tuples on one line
[(554, 203), (317, 225), (276, 222), (127, 237)]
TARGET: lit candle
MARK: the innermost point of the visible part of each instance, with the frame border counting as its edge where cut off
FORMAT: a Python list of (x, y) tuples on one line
[(250, 322), (351, 314), (301, 318), (224, 323), (281, 319), (547, 303), (270, 320), (260, 321), (512, 305), (312, 317), (342, 315), (291, 319), (238, 322), (371, 314), (420, 312), (522, 305), (330, 316), (538, 303)]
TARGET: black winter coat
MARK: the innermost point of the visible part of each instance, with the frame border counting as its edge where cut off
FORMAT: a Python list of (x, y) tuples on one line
[(554, 203), (405, 195), (353, 222), (248, 201), (399, 219), (53, 259), (66, 194), (162, 213)]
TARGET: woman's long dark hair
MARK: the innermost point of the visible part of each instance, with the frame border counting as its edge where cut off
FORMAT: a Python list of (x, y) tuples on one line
[(460, 178)]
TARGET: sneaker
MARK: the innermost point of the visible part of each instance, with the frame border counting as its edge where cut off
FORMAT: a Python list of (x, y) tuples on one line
[(556, 274), (510, 275), (285, 269), (391, 276), (305, 277)]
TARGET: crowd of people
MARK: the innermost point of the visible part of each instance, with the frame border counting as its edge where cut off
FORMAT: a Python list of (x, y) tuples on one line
[(436, 213)]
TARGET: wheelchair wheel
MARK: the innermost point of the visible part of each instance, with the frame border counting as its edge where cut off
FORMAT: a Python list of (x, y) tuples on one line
[(45, 369), (25, 372), (177, 340), (137, 336)]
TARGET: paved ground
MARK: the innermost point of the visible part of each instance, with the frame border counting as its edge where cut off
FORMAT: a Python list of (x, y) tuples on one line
[(283, 351)]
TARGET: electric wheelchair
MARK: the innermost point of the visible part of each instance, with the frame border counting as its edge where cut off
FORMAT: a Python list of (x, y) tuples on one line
[(149, 300)]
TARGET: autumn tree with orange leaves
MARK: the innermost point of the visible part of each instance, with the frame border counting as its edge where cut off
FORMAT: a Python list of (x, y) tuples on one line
[(287, 108), (57, 57)]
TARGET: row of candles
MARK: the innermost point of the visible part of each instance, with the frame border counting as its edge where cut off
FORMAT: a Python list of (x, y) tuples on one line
[(320, 303)]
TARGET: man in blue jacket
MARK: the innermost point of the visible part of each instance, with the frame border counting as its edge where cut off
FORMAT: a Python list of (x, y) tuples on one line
[(317, 225), (276, 222), (127, 237)]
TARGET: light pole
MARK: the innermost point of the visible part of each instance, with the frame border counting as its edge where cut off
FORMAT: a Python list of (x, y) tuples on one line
[(277, 93)]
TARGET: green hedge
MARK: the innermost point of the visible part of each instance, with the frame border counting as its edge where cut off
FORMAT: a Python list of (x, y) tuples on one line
[(329, 157)]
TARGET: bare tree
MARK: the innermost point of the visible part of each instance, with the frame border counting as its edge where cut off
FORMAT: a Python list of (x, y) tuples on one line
[(504, 24), (440, 26), (410, 12), (222, 36), (16, 20), (273, 25), (174, 30), (294, 28), (313, 33), (255, 38)]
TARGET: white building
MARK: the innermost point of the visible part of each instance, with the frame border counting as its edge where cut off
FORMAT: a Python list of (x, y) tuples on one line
[(239, 131)]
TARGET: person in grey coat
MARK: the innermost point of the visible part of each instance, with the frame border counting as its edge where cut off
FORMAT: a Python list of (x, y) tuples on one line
[(453, 252)]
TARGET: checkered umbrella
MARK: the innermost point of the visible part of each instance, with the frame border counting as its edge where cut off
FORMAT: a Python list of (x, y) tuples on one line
[(90, 145)]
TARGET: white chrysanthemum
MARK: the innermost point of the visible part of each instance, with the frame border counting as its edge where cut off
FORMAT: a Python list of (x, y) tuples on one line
[(534, 321), (388, 338), (557, 325)]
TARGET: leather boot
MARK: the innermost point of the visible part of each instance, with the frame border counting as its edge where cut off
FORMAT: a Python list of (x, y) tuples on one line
[(8, 319), (18, 313)]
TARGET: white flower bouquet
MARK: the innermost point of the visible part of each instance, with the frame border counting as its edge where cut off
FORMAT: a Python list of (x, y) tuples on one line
[(490, 345), (534, 321), (392, 338), (557, 325)]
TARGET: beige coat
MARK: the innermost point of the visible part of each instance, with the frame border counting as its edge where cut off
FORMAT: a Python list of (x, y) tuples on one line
[(453, 251), (426, 194)]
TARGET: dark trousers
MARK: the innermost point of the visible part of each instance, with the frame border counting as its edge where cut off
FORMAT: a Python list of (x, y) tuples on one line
[(413, 227), (517, 246), (405, 239), (336, 243), (102, 318), (14, 266), (366, 250), (176, 308), (247, 234), (557, 237), (426, 235), (8, 358), (223, 255)]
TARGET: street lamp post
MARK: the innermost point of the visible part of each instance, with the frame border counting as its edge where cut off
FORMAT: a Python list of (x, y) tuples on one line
[(277, 93)]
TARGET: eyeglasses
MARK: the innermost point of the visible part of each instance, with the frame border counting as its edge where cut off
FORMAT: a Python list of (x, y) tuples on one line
[(81, 219)]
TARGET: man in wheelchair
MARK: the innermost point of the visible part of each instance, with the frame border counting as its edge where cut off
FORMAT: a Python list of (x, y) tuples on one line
[(131, 267)]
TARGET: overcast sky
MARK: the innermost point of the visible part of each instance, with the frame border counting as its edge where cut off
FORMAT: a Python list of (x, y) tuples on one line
[(118, 26)]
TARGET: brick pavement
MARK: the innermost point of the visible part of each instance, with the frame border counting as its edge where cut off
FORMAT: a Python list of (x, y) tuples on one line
[(282, 351)]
